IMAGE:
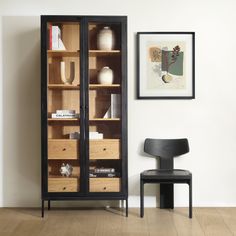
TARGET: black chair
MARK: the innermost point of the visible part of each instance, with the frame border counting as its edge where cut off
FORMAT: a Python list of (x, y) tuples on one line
[(166, 150)]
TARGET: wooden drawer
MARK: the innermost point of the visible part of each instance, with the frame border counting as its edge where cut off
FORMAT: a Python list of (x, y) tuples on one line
[(63, 185), (63, 149), (104, 149), (104, 184)]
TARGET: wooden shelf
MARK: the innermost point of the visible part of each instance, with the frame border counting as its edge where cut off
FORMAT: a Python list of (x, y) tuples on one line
[(104, 53), (63, 177), (62, 53), (63, 86), (104, 119), (77, 87), (65, 119), (103, 86)]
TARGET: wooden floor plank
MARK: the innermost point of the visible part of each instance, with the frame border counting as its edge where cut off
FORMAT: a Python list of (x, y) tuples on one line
[(134, 225), (185, 226), (160, 221), (229, 216), (112, 222), (212, 222)]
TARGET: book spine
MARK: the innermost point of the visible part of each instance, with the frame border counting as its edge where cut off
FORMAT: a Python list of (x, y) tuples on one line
[(50, 37), (55, 37), (115, 105), (104, 170), (54, 115), (110, 175), (65, 112)]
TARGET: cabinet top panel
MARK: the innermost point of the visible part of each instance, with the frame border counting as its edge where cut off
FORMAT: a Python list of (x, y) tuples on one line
[(101, 18)]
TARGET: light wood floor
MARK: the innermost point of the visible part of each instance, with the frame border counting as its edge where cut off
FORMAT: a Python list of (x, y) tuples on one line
[(110, 222)]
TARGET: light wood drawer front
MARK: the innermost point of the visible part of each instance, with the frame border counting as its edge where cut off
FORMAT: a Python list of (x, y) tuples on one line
[(63, 185), (62, 149), (104, 149), (104, 184)]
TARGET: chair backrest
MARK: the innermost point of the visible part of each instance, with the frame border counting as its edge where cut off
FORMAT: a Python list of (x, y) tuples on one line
[(166, 148)]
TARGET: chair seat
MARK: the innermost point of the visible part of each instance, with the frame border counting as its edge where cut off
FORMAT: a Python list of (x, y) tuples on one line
[(166, 174)]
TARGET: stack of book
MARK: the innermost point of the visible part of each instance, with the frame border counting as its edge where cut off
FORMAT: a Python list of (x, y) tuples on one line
[(92, 135), (95, 135), (55, 42), (114, 109), (103, 172), (65, 114)]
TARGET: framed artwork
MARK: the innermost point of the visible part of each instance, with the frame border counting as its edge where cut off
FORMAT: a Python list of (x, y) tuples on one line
[(166, 65)]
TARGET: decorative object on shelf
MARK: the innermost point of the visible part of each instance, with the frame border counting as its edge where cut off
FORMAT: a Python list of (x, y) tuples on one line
[(106, 39), (115, 105), (66, 114), (66, 169), (92, 135), (55, 42), (105, 76), (75, 135), (166, 67), (95, 135), (108, 113), (63, 73)]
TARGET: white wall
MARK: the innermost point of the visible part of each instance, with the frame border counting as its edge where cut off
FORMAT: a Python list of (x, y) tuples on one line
[(209, 121)]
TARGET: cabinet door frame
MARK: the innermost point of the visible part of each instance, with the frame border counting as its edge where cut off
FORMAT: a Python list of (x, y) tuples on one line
[(122, 20), (83, 194), (44, 109)]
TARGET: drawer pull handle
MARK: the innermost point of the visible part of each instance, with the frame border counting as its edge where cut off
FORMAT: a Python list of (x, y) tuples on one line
[(104, 149), (64, 188), (64, 149), (104, 188)]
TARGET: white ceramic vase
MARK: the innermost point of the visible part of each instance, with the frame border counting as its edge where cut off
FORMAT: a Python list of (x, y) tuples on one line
[(64, 79), (105, 39), (105, 76)]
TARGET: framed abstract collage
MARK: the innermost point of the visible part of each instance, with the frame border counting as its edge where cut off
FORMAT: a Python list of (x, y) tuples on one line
[(166, 65)]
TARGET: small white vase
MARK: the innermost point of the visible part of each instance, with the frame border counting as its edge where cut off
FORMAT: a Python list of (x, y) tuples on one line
[(105, 39), (105, 76), (63, 73)]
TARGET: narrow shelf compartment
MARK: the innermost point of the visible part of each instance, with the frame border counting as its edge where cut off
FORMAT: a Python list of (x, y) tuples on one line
[(64, 86), (63, 53), (104, 52)]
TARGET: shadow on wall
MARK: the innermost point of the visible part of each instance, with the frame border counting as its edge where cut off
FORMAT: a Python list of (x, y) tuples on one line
[(21, 110)]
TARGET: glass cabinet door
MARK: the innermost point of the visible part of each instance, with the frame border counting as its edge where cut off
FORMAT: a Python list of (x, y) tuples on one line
[(63, 106), (104, 96)]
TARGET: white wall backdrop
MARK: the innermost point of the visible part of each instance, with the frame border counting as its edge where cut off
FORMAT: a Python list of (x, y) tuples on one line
[(209, 121)]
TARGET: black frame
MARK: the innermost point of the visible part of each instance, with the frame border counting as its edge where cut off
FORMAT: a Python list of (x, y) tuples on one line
[(193, 67), (84, 193)]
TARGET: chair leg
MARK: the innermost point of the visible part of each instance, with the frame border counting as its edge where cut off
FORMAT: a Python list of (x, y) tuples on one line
[(141, 198), (190, 199)]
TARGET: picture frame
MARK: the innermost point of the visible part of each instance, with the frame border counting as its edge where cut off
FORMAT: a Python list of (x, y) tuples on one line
[(165, 65)]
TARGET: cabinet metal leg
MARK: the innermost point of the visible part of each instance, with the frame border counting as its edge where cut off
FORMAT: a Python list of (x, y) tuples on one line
[(42, 208), (141, 198), (126, 207), (49, 205), (190, 199)]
